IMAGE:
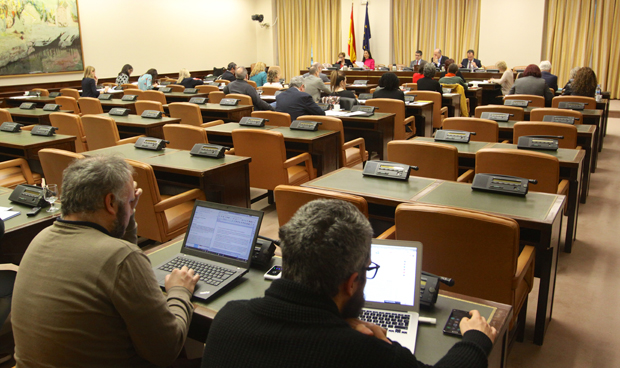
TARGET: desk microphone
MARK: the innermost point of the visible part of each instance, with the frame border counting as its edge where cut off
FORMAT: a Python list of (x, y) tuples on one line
[(445, 280)]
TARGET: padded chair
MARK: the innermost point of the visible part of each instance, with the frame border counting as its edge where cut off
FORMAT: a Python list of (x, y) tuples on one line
[(5, 116), (135, 91), (176, 87), (270, 91), (569, 132), (190, 114), (280, 119), (152, 95), (70, 124), (534, 100), (220, 81), (525, 164), (90, 105), (127, 86), (480, 252), (252, 83), (589, 101), (270, 167), (517, 113), (352, 152), (216, 96), (434, 160), (68, 103), (486, 130), (15, 172), (184, 137), (70, 92), (54, 162), (109, 84), (102, 132), (540, 113), (141, 106), (439, 113), (404, 128), (514, 69), (42, 91), (207, 89), (290, 198), (243, 99), (161, 217), (413, 86)]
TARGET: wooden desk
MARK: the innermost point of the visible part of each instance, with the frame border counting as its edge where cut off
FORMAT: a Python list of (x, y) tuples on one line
[(539, 216), (34, 116), (475, 97), (322, 145), (453, 101), (225, 180), (15, 101), (424, 109), (212, 111), (431, 343), (377, 130), (27, 146), (133, 125), (108, 105), (361, 88), (182, 96)]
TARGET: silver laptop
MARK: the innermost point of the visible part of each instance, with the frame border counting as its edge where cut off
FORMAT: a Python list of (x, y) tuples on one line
[(393, 296), (218, 245)]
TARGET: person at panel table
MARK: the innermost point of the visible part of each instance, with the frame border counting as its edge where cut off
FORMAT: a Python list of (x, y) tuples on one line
[(89, 83), (342, 62), (418, 61), (470, 62), (369, 62), (438, 59)]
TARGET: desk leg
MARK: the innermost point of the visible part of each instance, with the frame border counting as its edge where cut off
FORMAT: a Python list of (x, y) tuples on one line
[(585, 174), (428, 121), (572, 214), (596, 144), (230, 186)]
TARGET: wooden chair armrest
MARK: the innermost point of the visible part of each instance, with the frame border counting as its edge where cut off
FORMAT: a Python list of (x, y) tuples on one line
[(563, 187), (578, 148), (9, 267), (444, 110), (129, 140), (230, 151), (23, 164), (466, 177), (411, 122), (525, 260), (505, 141), (212, 123), (304, 157), (178, 199), (28, 127), (388, 234)]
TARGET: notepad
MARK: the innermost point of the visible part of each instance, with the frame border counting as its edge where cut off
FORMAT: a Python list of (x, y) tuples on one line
[(5, 215)]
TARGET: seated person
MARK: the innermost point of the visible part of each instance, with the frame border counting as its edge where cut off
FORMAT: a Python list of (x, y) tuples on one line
[(584, 83), (338, 85), (417, 75), (187, 81), (273, 79), (148, 80), (342, 62), (308, 318), (89, 83), (567, 90), (296, 102), (451, 77), (418, 61), (322, 75), (507, 79), (388, 87), (241, 86), (446, 66), (85, 294), (545, 73), (123, 76), (258, 74), (470, 62), (229, 74), (369, 62), (314, 84), (532, 84), (438, 59), (428, 83)]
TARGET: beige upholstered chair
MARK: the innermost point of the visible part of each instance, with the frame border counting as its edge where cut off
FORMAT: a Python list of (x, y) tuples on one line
[(70, 124), (90, 105), (15, 172), (486, 130), (183, 136), (102, 132), (54, 162)]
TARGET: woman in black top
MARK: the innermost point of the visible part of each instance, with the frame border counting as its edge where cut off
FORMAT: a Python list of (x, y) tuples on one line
[(342, 61), (186, 80), (338, 85), (89, 83), (428, 83), (388, 88)]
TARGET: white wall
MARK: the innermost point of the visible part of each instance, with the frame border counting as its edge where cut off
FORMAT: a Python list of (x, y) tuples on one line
[(265, 36)]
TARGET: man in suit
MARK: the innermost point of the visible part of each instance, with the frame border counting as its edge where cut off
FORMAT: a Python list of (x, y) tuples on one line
[(241, 86), (552, 80), (229, 74), (323, 77), (438, 59), (296, 102), (470, 62), (418, 60), (314, 85)]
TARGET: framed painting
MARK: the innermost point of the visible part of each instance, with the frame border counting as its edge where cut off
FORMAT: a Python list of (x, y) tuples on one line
[(40, 37)]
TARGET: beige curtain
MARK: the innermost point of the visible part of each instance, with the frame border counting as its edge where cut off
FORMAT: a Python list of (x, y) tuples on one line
[(458, 27), (305, 26)]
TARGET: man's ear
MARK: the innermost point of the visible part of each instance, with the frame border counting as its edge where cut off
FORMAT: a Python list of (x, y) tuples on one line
[(351, 284), (110, 204)]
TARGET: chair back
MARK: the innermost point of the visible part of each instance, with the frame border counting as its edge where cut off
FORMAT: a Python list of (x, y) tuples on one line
[(216, 96), (413, 86), (54, 162), (68, 103), (280, 119), (189, 113), (252, 83), (329, 123), (70, 124), (127, 86), (152, 95), (486, 130), (5, 116), (534, 100), (141, 106), (435, 97), (70, 92), (109, 84), (525, 164), (393, 106), (244, 99), (135, 91), (225, 81), (152, 225), (517, 113), (183, 136), (290, 198), (483, 248), (569, 132), (101, 131), (42, 91), (268, 154), (176, 87), (207, 89), (589, 101), (269, 90), (90, 105), (540, 113), (434, 160)]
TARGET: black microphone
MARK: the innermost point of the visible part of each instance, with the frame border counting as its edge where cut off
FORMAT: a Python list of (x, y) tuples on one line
[(445, 280)]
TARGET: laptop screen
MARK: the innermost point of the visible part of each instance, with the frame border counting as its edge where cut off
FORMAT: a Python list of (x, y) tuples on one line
[(222, 233), (396, 278)]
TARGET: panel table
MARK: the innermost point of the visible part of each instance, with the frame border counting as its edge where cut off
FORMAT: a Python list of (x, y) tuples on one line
[(132, 125)]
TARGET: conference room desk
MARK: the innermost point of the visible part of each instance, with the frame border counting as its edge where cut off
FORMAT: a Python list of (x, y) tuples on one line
[(34, 116), (373, 76), (41, 101), (211, 111), (490, 92), (20, 230), (361, 88), (25, 145), (224, 180), (108, 105), (182, 96), (424, 109), (431, 343), (453, 101), (475, 97), (323, 145), (377, 130), (539, 216), (133, 125)]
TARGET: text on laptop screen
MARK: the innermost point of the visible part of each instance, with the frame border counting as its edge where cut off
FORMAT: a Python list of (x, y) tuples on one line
[(222, 233), (396, 277)]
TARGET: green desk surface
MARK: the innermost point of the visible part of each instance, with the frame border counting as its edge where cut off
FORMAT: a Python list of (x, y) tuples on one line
[(302, 134), (352, 181), (471, 147), (533, 206), (24, 138), (585, 112), (581, 128), (563, 154), (229, 127), (34, 112), (187, 95), (46, 99), (373, 118), (139, 120), (117, 102), (22, 220), (184, 161), (218, 107), (130, 152)]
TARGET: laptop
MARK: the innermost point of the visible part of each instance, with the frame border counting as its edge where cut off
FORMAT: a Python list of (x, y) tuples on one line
[(393, 296), (218, 245)]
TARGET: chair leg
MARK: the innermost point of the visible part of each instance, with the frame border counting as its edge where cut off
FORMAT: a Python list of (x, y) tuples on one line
[(520, 333)]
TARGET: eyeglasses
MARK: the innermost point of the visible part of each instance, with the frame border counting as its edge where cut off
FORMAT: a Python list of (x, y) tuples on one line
[(371, 271)]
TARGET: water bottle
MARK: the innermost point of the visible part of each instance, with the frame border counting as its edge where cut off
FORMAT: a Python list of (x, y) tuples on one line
[(599, 93)]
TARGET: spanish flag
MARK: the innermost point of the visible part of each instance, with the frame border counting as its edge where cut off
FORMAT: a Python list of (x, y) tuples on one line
[(351, 50)]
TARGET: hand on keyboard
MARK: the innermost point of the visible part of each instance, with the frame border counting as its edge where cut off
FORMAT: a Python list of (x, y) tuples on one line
[(185, 277), (368, 328)]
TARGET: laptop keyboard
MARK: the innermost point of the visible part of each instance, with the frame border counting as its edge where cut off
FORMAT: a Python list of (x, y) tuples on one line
[(210, 274), (393, 322)]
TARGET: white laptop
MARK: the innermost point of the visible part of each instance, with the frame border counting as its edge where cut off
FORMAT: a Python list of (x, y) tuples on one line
[(393, 295)]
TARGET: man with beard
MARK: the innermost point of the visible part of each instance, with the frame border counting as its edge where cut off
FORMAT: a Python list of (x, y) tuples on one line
[(308, 318), (84, 297)]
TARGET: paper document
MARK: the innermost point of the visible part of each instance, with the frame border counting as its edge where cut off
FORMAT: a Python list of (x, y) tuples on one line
[(5, 215)]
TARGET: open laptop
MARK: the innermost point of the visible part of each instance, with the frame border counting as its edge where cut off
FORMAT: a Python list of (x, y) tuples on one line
[(393, 296), (218, 245)]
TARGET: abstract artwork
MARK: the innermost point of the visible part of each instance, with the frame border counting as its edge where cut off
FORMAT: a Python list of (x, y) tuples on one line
[(39, 37)]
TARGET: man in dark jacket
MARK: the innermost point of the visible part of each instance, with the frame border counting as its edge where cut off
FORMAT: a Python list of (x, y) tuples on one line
[(296, 102), (241, 86)]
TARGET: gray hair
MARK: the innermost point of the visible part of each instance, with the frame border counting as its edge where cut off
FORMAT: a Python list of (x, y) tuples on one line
[(325, 242), (87, 181), (573, 71), (297, 81), (545, 65), (241, 72), (429, 70), (314, 69)]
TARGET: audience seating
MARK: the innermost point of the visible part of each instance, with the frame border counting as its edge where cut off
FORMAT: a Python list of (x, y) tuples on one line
[(152, 95), (141, 106), (137, 92), (280, 119), (90, 105), (70, 124), (207, 89), (176, 87), (190, 114), (42, 91), (270, 91), (540, 113), (54, 162), (413, 86), (243, 99), (15, 172), (439, 113), (182, 136), (517, 113), (127, 86), (68, 103), (5, 116), (404, 128), (569, 132), (220, 81), (534, 100), (70, 92), (102, 132), (216, 96), (486, 130), (589, 101), (252, 83)]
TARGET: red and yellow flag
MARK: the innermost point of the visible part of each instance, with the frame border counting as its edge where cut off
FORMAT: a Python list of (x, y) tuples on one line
[(351, 50)]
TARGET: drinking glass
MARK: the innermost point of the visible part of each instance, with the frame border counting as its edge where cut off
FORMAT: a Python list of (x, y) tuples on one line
[(50, 195)]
